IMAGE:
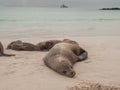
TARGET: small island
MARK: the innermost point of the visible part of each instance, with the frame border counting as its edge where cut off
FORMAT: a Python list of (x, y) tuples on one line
[(63, 6), (114, 8)]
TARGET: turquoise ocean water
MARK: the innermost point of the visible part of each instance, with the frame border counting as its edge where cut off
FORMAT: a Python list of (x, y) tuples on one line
[(57, 22)]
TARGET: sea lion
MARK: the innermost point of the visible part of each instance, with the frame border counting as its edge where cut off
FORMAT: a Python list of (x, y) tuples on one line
[(46, 45), (2, 51), (21, 46), (62, 57)]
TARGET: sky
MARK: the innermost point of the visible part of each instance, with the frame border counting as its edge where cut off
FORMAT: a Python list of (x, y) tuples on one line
[(57, 3)]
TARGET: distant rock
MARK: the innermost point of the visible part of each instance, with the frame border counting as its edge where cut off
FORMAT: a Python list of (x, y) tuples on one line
[(114, 8), (63, 6)]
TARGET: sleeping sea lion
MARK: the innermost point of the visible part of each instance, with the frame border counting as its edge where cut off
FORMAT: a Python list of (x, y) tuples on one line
[(2, 51), (62, 57), (21, 46), (47, 45)]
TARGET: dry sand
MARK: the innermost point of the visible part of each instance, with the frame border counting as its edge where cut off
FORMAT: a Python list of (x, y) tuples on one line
[(26, 71)]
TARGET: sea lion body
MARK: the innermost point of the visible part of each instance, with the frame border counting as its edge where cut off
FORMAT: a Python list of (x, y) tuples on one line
[(21, 46), (28, 47), (69, 41), (62, 57), (2, 51), (46, 45)]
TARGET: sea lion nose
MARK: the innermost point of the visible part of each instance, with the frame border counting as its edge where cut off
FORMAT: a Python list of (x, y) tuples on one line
[(72, 74)]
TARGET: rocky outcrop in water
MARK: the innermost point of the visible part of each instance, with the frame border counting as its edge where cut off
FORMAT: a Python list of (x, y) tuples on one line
[(116, 8), (63, 6)]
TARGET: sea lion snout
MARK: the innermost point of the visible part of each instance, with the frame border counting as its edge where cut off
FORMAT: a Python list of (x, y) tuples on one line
[(69, 73), (72, 74)]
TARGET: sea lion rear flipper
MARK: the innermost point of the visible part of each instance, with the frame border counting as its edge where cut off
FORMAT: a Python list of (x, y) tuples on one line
[(8, 55), (83, 56)]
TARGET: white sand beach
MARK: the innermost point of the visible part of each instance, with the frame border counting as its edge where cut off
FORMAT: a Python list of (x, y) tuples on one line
[(27, 71), (97, 31)]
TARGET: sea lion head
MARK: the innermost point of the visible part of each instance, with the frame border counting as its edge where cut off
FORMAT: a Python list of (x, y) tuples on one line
[(44, 46), (49, 45), (14, 43), (66, 69)]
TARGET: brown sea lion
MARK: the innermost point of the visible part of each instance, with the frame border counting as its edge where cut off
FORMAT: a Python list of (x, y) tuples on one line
[(2, 51), (62, 57), (46, 45), (21, 46)]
